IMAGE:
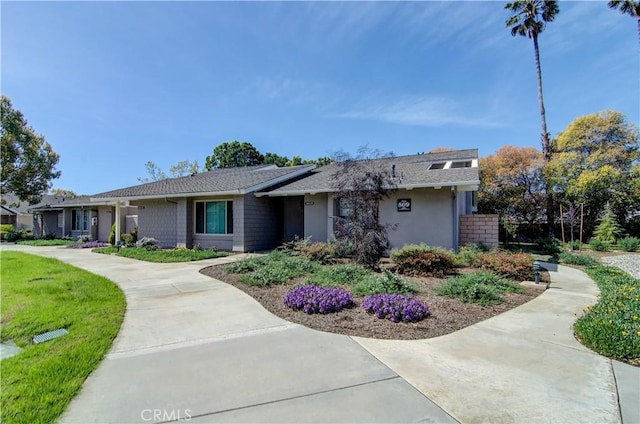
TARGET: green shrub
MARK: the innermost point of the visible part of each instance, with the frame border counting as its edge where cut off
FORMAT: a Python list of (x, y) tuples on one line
[(480, 287), (424, 260), (388, 282), (468, 255), (339, 275), (514, 266), (111, 239), (574, 245), (573, 259), (549, 246), (4, 229), (319, 252), (599, 245), (629, 244), (275, 268), (14, 235), (128, 239), (612, 326)]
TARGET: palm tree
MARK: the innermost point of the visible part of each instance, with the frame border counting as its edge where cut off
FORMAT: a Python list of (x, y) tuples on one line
[(529, 20), (628, 7)]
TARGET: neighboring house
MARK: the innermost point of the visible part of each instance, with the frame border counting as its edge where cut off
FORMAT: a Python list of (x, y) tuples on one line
[(24, 219), (8, 216), (257, 208), (433, 191), (217, 208), (79, 216)]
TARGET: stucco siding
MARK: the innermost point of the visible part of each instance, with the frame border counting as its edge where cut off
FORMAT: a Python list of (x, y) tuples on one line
[(316, 217), (429, 221), (157, 219)]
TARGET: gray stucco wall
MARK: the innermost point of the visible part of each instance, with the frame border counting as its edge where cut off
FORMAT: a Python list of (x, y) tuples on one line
[(429, 221), (106, 216), (157, 219), (316, 217)]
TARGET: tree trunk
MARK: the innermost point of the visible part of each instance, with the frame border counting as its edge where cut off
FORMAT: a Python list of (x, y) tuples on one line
[(544, 138)]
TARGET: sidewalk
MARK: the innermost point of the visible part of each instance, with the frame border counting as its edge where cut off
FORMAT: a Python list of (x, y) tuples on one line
[(191, 345), (522, 366)]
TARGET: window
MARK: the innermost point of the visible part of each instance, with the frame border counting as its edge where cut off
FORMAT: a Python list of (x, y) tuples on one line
[(80, 220), (438, 165), (466, 164), (345, 208), (214, 217)]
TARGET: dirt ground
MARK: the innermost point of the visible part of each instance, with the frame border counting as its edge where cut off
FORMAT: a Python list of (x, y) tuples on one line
[(447, 315)]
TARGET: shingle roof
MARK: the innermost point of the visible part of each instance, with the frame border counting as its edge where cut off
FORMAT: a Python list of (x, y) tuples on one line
[(218, 181), (411, 172)]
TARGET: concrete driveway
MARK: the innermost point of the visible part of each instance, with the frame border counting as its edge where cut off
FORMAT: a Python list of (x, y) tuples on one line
[(193, 348)]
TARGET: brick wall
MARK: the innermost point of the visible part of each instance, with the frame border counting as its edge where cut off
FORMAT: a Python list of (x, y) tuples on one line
[(479, 229)]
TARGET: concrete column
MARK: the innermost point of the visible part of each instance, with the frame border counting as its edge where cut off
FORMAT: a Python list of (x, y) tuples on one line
[(118, 221)]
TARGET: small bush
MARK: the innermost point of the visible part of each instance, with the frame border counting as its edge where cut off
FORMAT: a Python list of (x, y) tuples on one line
[(599, 245), (148, 243), (549, 246), (515, 266), (573, 259), (276, 269), (247, 265), (128, 239), (386, 283), (319, 252), (420, 259), (84, 238), (574, 245), (112, 235), (480, 287), (629, 244), (468, 255), (16, 235), (396, 307), (339, 275), (312, 299)]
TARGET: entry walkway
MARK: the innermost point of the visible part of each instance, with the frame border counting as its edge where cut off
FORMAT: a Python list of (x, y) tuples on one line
[(193, 347)]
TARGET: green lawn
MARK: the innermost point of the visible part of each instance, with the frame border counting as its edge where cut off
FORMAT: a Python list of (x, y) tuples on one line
[(40, 295), (175, 255), (43, 242)]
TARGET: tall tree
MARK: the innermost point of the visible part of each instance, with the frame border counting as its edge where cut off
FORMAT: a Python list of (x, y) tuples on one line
[(28, 161), (233, 154), (180, 169), (595, 161), (360, 184), (529, 20), (67, 194), (628, 7), (154, 172), (511, 184)]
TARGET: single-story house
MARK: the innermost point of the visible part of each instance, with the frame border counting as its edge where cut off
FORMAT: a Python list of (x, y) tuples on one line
[(78, 216), (257, 208), (8, 216)]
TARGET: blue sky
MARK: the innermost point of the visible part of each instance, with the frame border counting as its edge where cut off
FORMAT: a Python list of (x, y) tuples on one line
[(112, 85)]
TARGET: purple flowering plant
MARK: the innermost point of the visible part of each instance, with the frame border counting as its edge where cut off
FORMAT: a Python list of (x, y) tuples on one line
[(88, 245), (313, 299), (396, 307)]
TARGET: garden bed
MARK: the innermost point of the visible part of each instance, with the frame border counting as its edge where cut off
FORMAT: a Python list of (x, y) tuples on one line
[(447, 315)]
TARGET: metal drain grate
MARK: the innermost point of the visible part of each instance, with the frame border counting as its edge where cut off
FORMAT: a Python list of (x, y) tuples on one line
[(49, 335)]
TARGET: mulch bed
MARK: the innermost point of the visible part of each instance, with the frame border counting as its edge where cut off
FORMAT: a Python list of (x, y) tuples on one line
[(447, 315)]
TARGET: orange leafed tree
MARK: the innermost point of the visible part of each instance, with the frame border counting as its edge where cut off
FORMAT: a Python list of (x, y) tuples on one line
[(511, 184)]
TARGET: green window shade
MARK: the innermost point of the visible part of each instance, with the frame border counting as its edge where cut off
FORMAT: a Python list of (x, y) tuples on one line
[(216, 219)]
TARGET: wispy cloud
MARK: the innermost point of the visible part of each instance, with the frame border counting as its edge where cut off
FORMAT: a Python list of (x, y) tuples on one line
[(424, 110)]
